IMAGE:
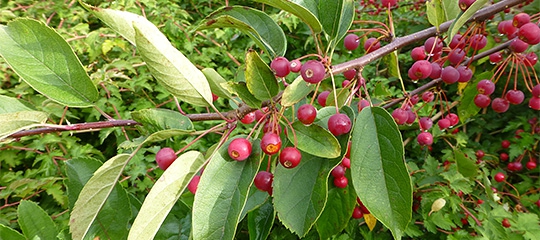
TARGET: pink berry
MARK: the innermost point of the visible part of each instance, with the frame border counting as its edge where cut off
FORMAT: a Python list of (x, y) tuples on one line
[(425, 139), (194, 183), (485, 87), (530, 59), (313, 71), (435, 71), (518, 46), (478, 41), (263, 181), (339, 124), (338, 171), (465, 73), (465, 4), (362, 104), (433, 47), (428, 96), (503, 157), (388, 3), (520, 19), (495, 57), (239, 149), (425, 123), (449, 75), (357, 213), (421, 69), (270, 143), (418, 53), (530, 165), (350, 74), (505, 223), (346, 162), (456, 56), (444, 123), (295, 65), (454, 119), (165, 157), (500, 105), (534, 103), (306, 114), (515, 96), (529, 33), (482, 101), (499, 177), (480, 154), (280, 65), (400, 116), (536, 91), (351, 42), (371, 45), (321, 99), (248, 118), (290, 157)]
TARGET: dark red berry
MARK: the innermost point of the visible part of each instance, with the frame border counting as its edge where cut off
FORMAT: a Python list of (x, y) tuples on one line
[(263, 181), (357, 213), (495, 57), (281, 66), (425, 123), (351, 41), (194, 183), (529, 33), (306, 114), (248, 118), (418, 53), (313, 71), (478, 41), (515, 96), (165, 157), (295, 65), (428, 96), (534, 103), (239, 149), (465, 73), (480, 154), (338, 171), (449, 75), (290, 157), (456, 56), (503, 157), (530, 165), (362, 104), (350, 74), (500, 105), (400, 116), (505, 144), (346, 162), (339, 124), (499, 177), (341, 182), (371, 45), (321, 99), (505, 223), (425, 139), (270, 143)]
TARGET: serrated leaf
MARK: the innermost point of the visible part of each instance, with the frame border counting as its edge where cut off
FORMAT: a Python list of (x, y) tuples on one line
[(461, 19), (256, 24), (164, 194), (337, 212), (10, 233), (94, 194), (256, 198), (35, 222), (435, 12), (11, 105), (44, 60), (157, 119), (467, 167), (467, 109), (16, 121), (216, 82), (296, 91), (260, 79), (307, 10), (378, 166), (315, 140), (241, 90), (260, 221), (336, 17), (222, 194)]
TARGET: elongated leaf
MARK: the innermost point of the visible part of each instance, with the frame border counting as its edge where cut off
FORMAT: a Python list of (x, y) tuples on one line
[(170, 67), (241, 90), (113, 218), (300, 193), (120, 21), (260, 221), (467, 108), (222, 194), (435, 12), (315, 140), (296, 91), (45, 61), (13, 122), (307, 10), (342, 95), (336, 18), (337, 212), (164, 195), (94, 194), (463, 18), (216, 82), (166, 134), (35, 222), (392, 61), (256, 198), (260, 80), (451, 8), (466, 166), (11, 105), (256, 24), (378, 166), (156, 119), (10, 233)]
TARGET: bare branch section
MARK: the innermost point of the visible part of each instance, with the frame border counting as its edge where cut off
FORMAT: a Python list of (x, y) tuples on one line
[(358, 63)]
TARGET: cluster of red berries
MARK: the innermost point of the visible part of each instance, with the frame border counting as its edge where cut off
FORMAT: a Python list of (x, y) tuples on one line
[(359, 210), (312, 71), (352, 41), (378, 6), (165, 157), (340, 180)]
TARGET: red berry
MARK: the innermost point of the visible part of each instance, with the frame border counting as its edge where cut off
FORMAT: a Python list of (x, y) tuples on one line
[(295, 65), (506, 223), (272, 127), (425, 139), (165, 157), (418, 53), (431, 47), (529, 33), (259, 114), (193, 184), (482, 101), (478, 41), (530, 165), (339, 124), (388, 3), (449, 75), (530, 59), (428, 96), (485, 87), (371, 45), (518, 46), (503, 157), (458, 41), (454, 119), (362, 104), (537, 203), (480, 154), (444, 123), (281, 66), (506, 28), (270, 143), (214, 97), (239, 149), (290, 157), (341, 182), (248, 118), (357, 213), (465, 4), (306, 114), (520, 19), (495, 57), (465, 73), (500, 105), (420, 69), (536, 91), (411, 117), (425, 123), (435, 71), (400, 116), (346, 162), (534, 103), (479, 201), (351, 41), (321, 99), (313, 71), (350, 74), (505, 144), (338, 171), (499, 177), (515, 96), (263, 181)]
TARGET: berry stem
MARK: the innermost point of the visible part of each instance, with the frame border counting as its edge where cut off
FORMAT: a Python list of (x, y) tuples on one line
[(470, 214)]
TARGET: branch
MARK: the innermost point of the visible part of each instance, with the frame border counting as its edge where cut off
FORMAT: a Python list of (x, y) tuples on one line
[(75, 127)]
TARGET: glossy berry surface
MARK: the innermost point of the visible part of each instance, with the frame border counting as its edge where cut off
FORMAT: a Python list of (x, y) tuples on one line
[(428, 96), (420, 70), (281, 66), (290, 157), (357, 213), (529, 33), (239, 149), (338, 171), (263, 181), (482, 101), (425, 139), (341, 182), (351, 42), (425, 123), (449, 75), (505, 223), (270, 143), (339, 124), (499, 177), (515, 96), (165, 157), (400, 116), (248, 118), (312, 71), (321, 99), (194, 183), (531, 165), (295, 65), (500, 105), (485, 87), (505, 144), (306, 114)]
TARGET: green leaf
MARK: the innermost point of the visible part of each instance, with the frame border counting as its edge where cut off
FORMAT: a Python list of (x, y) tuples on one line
[(11, 105), (451, 8), (337, 212), (260, 79), (463, 18), (392, 61), (45, 61), (467, 108), (307, 10), (166, 134), (170, 67), (296, 91), (256, 198), (94, 194), (113, 218), (467, 167), (216, 82), (35, 222), (164, 194), (256, 24), (342, 95), (336, 18), (435, 12), (222, 194), (378, 166), (260, 221), (10, 233), (120, 21), (315, 140), (16, 121), (157, 119), (241, 90), (300, 193)]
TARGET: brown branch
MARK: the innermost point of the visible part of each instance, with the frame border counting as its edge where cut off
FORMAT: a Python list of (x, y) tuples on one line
[(75, 127)]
